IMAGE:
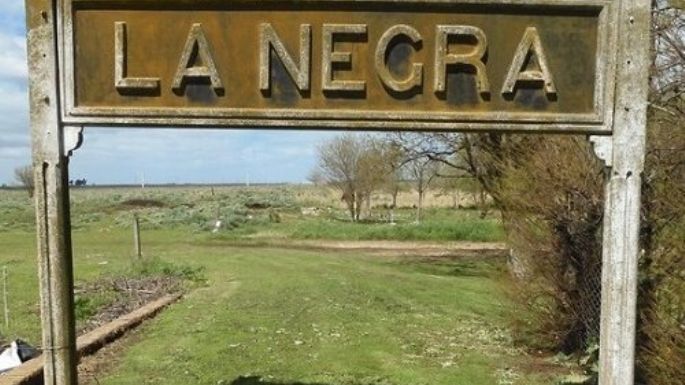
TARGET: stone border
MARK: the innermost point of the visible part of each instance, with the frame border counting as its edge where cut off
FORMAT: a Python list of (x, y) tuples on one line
[(31, 372)]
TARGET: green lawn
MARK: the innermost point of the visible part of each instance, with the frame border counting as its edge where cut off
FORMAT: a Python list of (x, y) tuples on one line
[(332, 318), (299, 316), (274, 316), (439, 225)]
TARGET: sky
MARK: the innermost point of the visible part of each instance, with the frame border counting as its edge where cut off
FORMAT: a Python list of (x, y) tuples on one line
[(122, 156)]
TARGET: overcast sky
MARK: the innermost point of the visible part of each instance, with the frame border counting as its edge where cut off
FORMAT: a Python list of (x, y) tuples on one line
[(162, 156)]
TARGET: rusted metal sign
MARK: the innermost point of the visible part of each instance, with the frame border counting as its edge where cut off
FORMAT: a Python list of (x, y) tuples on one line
[(467, 65), (571, 66)]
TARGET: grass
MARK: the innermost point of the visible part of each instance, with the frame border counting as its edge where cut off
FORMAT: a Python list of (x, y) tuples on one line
[(279, 215), (273, 316), (86, 307), (288, 316), (467, 228), (444, 226), (97, 254)]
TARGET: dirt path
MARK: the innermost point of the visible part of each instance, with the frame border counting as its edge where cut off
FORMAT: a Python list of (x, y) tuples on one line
[(394, 248), (91, 368)]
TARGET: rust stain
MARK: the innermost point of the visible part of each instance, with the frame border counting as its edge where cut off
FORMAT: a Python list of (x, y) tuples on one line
[(155, 43)]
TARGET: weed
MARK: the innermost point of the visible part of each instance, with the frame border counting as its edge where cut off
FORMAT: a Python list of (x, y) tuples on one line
[(86, 306), (153, 266)]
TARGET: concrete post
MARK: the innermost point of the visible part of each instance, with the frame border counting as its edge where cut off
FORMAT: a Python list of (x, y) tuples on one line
[(51, 197), (622, 199)]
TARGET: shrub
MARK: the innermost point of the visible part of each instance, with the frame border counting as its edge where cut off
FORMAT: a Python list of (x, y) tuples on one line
[(552, 201)]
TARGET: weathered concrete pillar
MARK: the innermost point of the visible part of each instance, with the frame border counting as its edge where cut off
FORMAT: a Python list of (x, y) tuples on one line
[(50, 164), (622, 200)]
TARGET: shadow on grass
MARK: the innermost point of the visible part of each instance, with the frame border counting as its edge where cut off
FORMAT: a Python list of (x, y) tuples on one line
[(257, 380), (456, 269)]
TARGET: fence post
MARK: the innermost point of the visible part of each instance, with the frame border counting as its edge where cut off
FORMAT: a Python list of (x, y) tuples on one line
[(136, 237), (4, 297), (620, 250)]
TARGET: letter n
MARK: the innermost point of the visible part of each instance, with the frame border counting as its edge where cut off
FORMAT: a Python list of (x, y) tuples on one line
[(270, 41)]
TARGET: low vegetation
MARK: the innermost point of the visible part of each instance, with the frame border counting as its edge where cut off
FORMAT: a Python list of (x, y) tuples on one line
[(281, 316), (301, 317), (470, 227)]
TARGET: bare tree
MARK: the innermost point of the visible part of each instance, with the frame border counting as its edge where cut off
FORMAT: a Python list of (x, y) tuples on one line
[(661, 300), (338, 162), (373, 170), (394, 158), (355, 166), (316, 177), (422, 171), (456, 182), (667, 81), (24, 176)]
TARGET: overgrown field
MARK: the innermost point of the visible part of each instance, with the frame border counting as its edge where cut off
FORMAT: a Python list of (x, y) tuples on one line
[(294, 212), (262, 314)]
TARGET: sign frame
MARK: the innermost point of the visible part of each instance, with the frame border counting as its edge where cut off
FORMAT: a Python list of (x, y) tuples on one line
[(598, 122), (55, 136)]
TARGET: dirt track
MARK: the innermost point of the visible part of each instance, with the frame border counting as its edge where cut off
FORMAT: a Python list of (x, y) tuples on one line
[(396, 248)]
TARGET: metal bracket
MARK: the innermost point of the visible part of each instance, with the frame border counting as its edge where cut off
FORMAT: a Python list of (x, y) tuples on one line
[(603, 147), (73, 138)]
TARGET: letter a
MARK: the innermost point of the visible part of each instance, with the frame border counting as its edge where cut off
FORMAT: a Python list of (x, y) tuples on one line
[(529, 47), (196, 48)]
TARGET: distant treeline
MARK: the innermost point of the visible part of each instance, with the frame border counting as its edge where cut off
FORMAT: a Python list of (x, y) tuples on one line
[(166, 185)]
